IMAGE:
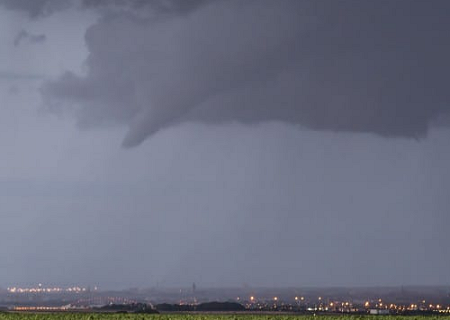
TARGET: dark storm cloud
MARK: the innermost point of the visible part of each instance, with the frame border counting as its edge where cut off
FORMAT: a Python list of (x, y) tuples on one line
[(160, 6), (40, 8), (36, 8), (364, 66), (25, 36)]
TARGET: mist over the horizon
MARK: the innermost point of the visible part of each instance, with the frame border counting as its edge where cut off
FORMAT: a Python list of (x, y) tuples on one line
[(275, 143)]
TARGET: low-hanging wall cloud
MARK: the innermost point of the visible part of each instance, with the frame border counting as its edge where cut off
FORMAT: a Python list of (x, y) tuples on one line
[(377, 67)]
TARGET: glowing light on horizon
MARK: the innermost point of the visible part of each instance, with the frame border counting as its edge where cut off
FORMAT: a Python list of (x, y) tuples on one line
[(41, 289)]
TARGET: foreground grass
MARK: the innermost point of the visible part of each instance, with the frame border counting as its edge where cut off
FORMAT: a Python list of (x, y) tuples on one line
[(112, 316)]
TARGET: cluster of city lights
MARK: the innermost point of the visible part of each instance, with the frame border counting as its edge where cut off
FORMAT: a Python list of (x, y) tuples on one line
[(40, 308), (412, 307), (40, 289), (319, 305), (444, 310)]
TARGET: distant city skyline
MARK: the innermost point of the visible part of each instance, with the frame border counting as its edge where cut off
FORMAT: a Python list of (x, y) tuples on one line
[(396, 300)]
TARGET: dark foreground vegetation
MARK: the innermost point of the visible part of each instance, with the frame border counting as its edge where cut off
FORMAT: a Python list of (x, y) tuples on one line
[(201, 316)]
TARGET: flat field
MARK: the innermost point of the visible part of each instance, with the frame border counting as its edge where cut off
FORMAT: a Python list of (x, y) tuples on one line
[(116, 316)]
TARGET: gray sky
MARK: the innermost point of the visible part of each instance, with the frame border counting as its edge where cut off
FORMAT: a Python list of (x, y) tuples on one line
[(250, 142)]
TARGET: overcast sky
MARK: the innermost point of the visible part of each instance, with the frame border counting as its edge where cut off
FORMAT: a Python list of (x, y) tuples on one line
[(258, 142)]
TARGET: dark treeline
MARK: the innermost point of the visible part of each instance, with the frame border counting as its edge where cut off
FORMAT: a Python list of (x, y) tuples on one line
[(207, 306), (133, 308)]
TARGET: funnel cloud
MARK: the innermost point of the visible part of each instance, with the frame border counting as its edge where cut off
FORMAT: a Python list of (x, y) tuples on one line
[(377, 67)]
